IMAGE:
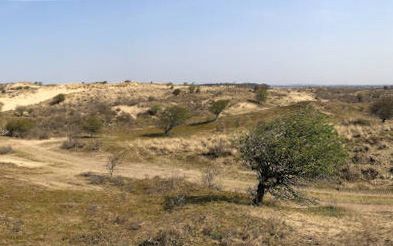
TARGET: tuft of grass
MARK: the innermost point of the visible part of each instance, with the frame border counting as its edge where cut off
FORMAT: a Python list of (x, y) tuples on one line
[(328, 210)]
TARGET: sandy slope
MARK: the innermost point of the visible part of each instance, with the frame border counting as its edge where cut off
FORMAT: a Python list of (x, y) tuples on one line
[(35, 96)]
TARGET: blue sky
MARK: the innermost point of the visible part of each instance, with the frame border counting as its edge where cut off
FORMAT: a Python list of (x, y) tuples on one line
[(273, 41)]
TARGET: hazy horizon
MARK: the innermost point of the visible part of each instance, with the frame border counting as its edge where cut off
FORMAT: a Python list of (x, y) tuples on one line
[(277, 42)]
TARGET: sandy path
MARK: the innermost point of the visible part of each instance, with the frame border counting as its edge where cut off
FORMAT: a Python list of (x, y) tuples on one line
[(60, 169)]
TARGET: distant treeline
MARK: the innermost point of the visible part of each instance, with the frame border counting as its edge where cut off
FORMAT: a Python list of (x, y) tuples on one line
[(242, 85)]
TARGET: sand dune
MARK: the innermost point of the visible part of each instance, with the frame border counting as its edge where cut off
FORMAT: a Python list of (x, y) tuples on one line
[(39, 95)]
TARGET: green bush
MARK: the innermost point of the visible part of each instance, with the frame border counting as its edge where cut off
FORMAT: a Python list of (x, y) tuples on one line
[(57, 99), (293, 148), (154, 110), (92, 125), (217, 107), (172, 117), (383, 108), (261, 95), (19, 127), (176, 92)]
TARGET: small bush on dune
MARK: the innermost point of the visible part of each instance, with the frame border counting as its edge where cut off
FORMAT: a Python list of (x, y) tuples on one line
[(176, 92), (58, 99), (154, 110)]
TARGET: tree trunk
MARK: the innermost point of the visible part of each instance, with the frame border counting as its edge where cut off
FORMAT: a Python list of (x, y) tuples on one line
[(258, 199)]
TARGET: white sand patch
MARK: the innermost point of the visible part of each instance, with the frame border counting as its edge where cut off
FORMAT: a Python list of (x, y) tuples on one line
[(132, 110), (32, 97), (288, 97), (243, 108)]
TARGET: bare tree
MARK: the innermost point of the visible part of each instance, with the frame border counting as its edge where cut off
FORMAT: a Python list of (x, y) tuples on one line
[(114, 160)]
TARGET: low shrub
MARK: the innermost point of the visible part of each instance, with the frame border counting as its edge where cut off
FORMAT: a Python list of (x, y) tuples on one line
[(154, 110), (19, 127), (220, 148), (72, 143), (58, 99), (5, 150), (176, 92), (370, 173)]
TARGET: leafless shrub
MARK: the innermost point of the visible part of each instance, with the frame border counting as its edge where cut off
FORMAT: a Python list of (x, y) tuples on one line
[(219, 148), (114, 160), (209, 178)]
